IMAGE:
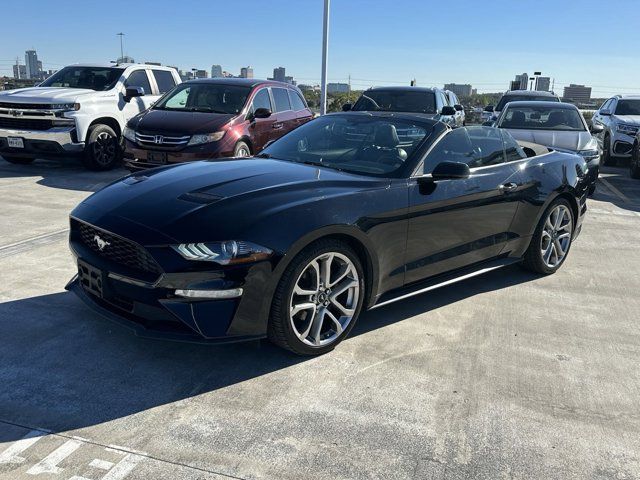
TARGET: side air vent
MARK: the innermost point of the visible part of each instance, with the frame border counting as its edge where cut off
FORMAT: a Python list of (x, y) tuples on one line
[(203, 198)]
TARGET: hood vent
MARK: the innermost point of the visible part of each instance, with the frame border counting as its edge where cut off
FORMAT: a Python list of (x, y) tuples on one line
[(202, 198)]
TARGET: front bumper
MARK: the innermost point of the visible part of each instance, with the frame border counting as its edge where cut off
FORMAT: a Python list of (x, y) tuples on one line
[(138, 158), (56, 141), (621, 144)]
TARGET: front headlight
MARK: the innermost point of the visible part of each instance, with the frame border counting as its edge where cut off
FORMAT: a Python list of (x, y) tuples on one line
[(129, 134), (589, 154), (225, 253), (65, 106), (211, 137), (627, 129)]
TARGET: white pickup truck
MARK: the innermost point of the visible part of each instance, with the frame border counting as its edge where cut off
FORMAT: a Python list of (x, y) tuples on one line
[(79, 111)]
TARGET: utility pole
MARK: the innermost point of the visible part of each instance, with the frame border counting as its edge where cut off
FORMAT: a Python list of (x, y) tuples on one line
[(325, 54), (18, 67), (121, 46), (349, 94)]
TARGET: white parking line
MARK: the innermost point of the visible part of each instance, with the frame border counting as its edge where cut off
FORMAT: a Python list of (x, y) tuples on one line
[(11, 454), (49, 464), (614, 190)]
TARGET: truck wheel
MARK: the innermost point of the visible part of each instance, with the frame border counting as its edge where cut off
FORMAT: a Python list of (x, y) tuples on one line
[(241, 150), (18, 160), (102, 150), (607, 159)]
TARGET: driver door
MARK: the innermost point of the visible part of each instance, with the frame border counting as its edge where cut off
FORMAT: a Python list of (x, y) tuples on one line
[(137, 78), (459, 222)]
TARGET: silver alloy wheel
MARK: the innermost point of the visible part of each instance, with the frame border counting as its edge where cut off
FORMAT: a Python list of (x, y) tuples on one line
[(243, 152), (324, 299), (556, 236), (104, 149)]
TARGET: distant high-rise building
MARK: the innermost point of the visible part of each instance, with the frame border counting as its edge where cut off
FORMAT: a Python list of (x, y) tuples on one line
[(279, 74), (289, 80), (577, 94), (125, 59), (216, 71), (460, 89), (246, 72), (520, 83), (201, 74), (20, 71), (31, 62), (337, 87), (543, 84)]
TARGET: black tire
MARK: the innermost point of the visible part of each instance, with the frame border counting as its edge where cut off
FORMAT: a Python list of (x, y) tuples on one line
[(18, 160), (533, 259), (607, 159), (634, 164), (102, 150), (280, 330), (242, 150)]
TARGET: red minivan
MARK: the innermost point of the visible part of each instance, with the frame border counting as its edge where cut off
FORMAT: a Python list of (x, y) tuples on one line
[(210, 118)]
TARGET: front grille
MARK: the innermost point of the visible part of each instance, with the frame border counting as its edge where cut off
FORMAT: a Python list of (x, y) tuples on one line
[(161, 141), (25, 123), (115, 248), (25, 106)]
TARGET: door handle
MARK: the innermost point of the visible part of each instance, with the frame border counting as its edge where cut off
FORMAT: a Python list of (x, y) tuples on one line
[(508, 187), (277, 126)]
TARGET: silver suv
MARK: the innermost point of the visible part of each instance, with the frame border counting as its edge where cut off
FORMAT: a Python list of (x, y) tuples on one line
[(620, 119)]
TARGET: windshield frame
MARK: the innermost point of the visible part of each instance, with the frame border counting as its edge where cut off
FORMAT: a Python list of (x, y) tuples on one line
[(503, 116), (108, 86), (161, 103), (432, 130)]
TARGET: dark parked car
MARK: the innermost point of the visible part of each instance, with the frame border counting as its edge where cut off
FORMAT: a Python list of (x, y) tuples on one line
[(431, 102), (351, 211), (218, 117)]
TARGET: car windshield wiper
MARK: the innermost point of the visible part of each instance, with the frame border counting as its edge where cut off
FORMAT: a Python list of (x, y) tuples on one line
[(206, 110)]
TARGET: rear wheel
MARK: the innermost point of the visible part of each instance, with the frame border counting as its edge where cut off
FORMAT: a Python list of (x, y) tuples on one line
[(18, 160), (634, 165), (552, 239), (318, 299), (607, 159), (102, 150), (241, 150)]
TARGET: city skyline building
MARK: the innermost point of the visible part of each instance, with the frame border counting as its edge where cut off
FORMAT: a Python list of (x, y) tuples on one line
[(31, 63), (216, 71), (460, 89), (576, 93), (543, 84), (246, 72)]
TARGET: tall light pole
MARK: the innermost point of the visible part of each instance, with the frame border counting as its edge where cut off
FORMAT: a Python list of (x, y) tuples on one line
[(121, 46), (325, 53)]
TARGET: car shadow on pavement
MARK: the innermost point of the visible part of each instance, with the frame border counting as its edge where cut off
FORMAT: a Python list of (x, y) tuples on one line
[(62, 367), (617, 187), (66, 174)]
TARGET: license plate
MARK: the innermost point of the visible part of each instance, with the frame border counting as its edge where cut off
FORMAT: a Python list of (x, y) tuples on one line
[(157, 157), (91, 278), (15, 142)]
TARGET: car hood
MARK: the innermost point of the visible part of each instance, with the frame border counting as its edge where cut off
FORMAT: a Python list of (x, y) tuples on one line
[(225, 197), (630, 119), (44, 95), (164, 121), (573, 141)]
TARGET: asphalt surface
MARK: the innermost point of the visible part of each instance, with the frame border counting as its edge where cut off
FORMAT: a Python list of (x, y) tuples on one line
[(509, 375)]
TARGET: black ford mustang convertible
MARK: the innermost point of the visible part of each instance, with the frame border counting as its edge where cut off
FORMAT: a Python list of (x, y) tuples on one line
[(351, 211)]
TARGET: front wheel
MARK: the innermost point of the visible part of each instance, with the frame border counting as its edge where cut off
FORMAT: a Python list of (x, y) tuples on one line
[(18, 160), (102, 151), (634, 165), (318, 299), (241, 150), (551, 241), (607, 159)]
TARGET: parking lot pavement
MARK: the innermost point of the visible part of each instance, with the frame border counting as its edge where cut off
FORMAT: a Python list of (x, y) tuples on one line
[(509, 375)]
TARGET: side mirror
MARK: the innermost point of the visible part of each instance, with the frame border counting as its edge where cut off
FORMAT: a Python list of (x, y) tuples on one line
[(262, 113), (488, 108), (448, 110), (606, 113), (347, 107), (450, 171), (132, 92), (458, 108), (595, 128)]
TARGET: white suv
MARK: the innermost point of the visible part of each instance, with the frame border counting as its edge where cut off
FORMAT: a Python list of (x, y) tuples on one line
[(80, 110), (620, 119)]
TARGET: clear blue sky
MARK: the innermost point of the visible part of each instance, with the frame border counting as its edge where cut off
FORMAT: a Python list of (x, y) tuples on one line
[(484, 43)]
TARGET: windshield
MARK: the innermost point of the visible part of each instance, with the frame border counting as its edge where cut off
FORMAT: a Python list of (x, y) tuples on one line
[(205, 97), (628, 107), (523, 98), (365, 145), (94, 78), (542, 118), (396, 101)]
